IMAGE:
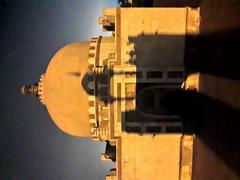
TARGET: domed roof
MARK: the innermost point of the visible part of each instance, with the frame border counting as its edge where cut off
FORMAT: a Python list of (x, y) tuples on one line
[(63, 94)]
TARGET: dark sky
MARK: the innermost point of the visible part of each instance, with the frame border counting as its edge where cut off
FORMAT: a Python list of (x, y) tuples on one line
[(31, 146)]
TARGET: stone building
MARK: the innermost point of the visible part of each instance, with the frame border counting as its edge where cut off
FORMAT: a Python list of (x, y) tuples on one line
[(112, 89)]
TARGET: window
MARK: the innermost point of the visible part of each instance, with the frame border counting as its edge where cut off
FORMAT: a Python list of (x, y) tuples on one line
[(154, 74), (154, 129), (153, 100), (175, 74)]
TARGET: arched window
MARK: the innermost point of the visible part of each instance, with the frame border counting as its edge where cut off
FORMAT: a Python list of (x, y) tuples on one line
[(150, 101)]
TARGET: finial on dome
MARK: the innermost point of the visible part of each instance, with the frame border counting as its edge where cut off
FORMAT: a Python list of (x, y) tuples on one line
[(30, 89), (35, 89)]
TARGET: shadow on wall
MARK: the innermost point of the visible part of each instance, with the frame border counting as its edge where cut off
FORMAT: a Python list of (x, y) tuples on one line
[(214, 122), (158, 50), (217, 126), (214, 52)]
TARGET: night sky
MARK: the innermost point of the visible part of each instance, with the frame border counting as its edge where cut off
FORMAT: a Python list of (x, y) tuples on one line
[(31, 146)]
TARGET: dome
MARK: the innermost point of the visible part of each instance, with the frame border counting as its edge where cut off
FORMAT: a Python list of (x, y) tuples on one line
[(62, 91)]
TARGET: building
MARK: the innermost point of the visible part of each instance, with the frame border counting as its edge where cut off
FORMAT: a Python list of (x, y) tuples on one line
[(112, 89)]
